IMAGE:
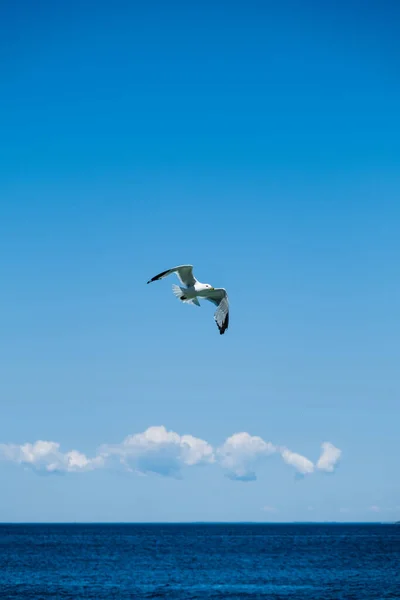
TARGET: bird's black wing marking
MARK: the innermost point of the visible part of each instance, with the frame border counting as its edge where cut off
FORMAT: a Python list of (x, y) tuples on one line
[(224, 325), (221, 315), (160, 275), (183, 272)]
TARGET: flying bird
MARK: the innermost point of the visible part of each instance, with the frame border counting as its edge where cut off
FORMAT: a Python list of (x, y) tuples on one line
[(194, 290)]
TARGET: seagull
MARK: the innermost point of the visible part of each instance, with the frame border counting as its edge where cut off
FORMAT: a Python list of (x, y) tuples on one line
[(194, 290)]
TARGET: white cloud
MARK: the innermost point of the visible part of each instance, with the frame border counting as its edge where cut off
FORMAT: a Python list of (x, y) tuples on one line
[(164, 452), (329, 457), (46, 457), (375, 508), (157, 450), (240, 454), (302, 464)]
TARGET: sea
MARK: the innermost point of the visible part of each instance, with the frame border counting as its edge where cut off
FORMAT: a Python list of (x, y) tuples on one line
[(204, 561)]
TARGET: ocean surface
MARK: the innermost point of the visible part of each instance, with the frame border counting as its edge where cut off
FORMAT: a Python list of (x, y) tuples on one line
[(324, 562)]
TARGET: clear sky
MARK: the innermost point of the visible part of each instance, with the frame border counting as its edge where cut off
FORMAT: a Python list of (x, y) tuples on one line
[(258, 141)]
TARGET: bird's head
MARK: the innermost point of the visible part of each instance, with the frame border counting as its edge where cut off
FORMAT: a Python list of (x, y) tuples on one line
[(207, 286)]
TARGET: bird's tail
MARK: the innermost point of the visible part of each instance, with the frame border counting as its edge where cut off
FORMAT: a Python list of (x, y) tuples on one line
[(180, 293)]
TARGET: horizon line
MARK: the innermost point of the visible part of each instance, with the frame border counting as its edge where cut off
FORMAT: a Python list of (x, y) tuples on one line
[(199, 523)]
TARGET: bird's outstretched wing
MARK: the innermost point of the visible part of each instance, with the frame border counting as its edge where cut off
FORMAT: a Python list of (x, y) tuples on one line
[(219, 297), (184, 273)]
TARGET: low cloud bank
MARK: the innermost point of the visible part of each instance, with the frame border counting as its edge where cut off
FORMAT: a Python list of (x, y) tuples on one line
[(167, 453)]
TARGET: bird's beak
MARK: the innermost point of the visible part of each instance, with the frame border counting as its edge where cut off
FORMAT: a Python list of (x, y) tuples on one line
[(212, 289)]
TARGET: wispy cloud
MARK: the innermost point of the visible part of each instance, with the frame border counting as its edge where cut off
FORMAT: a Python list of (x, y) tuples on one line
[(383, 509), (166, 453), (269, 509)]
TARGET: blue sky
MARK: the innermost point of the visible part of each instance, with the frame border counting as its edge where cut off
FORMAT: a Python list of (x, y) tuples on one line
[(259, 142)]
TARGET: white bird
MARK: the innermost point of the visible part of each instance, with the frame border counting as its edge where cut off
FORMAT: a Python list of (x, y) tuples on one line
[(195, 290)]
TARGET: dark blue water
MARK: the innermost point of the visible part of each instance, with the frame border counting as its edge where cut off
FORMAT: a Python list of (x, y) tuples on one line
[(200, 561)]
